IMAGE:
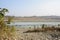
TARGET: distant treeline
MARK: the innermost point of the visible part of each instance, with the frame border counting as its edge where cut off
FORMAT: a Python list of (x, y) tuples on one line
[(36, 18)]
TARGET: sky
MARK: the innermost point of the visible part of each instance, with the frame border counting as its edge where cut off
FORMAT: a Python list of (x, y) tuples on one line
[(31, 7)]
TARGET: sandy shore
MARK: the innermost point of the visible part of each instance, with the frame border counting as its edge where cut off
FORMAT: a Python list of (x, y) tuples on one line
[(36, 35)]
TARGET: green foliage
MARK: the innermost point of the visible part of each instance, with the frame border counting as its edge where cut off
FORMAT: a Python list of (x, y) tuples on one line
[(2, 12), (1, 15), (5, 30)]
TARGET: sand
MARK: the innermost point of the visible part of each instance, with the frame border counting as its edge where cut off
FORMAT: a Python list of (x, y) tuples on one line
[(36, 35)]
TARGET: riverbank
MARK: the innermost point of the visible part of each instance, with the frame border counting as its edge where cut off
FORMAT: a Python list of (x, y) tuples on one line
[(50, 35)]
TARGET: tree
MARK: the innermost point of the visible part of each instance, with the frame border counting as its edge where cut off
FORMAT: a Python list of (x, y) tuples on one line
[(2, 14)]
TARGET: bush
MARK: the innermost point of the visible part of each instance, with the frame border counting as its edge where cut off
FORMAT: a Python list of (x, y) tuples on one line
[(6, 32)]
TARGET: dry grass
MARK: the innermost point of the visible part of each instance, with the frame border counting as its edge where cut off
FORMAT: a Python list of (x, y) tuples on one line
[(46, 29)]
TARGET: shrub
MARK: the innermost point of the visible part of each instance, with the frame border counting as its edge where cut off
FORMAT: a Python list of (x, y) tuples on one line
[(6, 32)]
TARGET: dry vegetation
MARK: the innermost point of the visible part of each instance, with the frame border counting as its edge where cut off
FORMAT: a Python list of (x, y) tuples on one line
[(46, 29), (6, 32)]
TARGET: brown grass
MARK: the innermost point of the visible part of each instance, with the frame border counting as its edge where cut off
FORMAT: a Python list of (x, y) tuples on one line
[(43, 30)]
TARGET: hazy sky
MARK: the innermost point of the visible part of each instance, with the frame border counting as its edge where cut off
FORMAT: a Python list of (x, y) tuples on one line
[(31, 7)]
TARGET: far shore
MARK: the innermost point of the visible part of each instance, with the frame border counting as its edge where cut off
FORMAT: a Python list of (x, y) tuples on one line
[(34, 21)]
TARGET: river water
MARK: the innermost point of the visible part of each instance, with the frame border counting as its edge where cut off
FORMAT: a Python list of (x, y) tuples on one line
[(33, 23)]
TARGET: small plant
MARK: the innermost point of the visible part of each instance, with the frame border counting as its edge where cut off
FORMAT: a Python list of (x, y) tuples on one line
[(12, 29), (43, 25), (9, 19)]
